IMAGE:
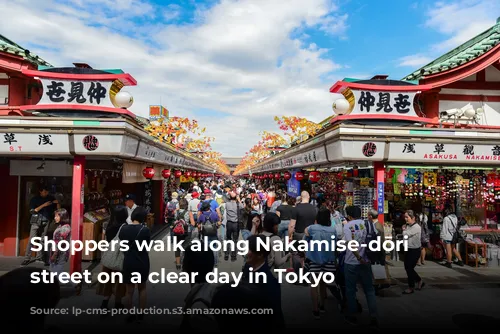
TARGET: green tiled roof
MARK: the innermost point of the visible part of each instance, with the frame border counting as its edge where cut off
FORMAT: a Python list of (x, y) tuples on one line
[(6, 45), (463, 54)]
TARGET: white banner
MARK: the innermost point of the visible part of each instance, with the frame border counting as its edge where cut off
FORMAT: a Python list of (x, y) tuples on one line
[(443, 152), (76, 92), (34, 143), (355, 151), (385, 103)]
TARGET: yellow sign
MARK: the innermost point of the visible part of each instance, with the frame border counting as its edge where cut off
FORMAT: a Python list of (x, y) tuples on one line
[(156, 112)]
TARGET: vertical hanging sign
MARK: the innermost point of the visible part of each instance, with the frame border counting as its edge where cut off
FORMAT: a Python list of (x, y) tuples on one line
[(380, 198), (148, 196)]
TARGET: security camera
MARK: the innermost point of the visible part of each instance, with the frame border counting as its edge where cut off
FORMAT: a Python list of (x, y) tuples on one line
[(451, 112)]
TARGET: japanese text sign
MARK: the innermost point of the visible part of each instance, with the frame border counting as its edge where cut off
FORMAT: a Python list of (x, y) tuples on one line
[(384, 103), (445, 152), (380, 197), (76, 92)]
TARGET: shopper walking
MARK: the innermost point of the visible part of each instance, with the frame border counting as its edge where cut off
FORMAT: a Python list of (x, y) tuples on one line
[(412, 232)]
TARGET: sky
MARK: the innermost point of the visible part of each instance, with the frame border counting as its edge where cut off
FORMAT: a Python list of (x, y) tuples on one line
[(234, 65)]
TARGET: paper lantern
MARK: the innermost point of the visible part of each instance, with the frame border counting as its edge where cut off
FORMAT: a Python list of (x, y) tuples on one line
[(166, 173), (148, 173), (314, 176), (277, 175), (124, 100), (188, 174), (287, 176), (299, 176), (271, 176), (178, 173)]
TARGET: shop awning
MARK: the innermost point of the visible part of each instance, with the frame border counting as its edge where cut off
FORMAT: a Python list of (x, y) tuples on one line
[(350, 145), (93, 138)]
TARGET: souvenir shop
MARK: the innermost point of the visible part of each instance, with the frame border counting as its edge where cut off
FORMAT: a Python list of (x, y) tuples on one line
[(104, 168), (398, 174)]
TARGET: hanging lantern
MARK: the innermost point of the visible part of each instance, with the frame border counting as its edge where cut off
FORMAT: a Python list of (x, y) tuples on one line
[(166, 173), (198, 174), (188, 174), (314, 176), (299, 176), (271, 176), (277, 175), (287, 176), (148, 172), (266, 176), (178, 173)]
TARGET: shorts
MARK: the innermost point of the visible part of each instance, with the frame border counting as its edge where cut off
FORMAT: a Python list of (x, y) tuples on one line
[(312, 267), (448, 242), (425, 244)]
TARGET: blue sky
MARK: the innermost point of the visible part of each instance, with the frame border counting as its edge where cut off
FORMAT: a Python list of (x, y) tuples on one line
[(234, 65)]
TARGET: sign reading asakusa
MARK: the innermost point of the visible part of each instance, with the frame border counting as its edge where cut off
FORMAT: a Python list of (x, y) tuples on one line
[(472, 153)]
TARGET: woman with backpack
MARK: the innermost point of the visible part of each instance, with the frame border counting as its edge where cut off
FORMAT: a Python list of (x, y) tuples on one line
[(180, 229)]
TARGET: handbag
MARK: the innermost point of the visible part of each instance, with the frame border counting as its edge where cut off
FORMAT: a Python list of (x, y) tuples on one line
[(113, 258)]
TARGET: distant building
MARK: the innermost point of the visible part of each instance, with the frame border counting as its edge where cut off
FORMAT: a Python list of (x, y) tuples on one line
[(232, 162)]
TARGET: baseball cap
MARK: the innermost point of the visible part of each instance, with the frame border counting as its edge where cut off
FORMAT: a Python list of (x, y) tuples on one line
[(195, 194), (130, 197)]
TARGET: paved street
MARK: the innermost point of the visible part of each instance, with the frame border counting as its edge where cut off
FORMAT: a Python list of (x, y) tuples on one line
[(450, 294)]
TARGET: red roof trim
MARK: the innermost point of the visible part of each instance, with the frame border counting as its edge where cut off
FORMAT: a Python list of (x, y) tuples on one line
[(463, 71), (353, 85), (125, 78), (382, 117), (77, 107)]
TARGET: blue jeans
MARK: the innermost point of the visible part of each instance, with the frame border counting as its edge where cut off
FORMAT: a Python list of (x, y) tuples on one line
[(363, 273), (245, 234), (283, 228)]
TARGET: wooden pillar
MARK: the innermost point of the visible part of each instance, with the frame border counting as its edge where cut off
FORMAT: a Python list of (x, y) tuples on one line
[(77, 208)]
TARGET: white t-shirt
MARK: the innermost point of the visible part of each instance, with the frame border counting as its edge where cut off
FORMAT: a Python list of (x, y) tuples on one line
[(355, 230)]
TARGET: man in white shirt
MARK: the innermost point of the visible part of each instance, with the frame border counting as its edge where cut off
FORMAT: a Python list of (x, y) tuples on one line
[(357, 267), (131, 206)]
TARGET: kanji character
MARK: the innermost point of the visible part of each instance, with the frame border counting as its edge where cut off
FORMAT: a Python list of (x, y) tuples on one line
[(496, 150), (97, 92), (9, 138), (44, 140), (469, 149), (402, 103), (409, 148), (367, 100), (76, 92), (55, 91), (384, 100), (439, 148)]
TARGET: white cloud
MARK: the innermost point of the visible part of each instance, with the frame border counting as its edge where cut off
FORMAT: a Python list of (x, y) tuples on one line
[(414, 60), (190, 67), (461, 20)]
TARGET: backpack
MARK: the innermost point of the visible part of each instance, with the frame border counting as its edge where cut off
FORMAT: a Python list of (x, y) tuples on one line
[(180, 224), (208, 227), (200, 293), (171, 207), (371, 235)]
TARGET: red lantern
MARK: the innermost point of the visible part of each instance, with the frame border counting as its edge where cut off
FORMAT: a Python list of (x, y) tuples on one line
[(198, 174), (166, 173), (188, 174), (299, 176), (178, 173), (287, 176), (314, 176), (277, 175), (271, 176), (148, 173)]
